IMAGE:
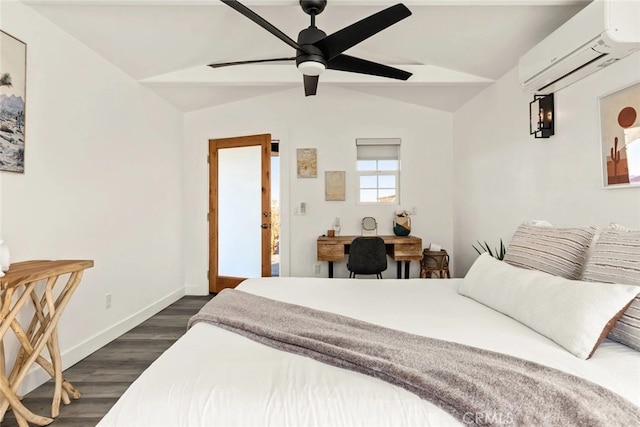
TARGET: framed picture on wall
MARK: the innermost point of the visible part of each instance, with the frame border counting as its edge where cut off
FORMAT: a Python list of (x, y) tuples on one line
[(620, 133), (307, 162), (334, 186), (13, 82)]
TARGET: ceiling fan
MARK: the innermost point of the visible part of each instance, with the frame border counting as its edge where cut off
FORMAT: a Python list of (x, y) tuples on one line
[(316, 51)]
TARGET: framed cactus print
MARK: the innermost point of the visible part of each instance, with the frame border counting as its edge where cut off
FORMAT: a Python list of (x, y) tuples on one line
[(13, 81), (620, 133)]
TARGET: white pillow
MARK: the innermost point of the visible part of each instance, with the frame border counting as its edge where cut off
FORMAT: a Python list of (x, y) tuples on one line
[(576, 315)]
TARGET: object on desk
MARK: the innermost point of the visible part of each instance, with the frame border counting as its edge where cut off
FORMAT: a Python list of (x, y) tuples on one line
[(5, 259), (369, 226), (434, 262), (402, 225), (331, 233), (367, 255), (336, 226)]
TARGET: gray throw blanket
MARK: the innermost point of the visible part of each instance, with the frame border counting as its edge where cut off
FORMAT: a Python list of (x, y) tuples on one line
[(478, 387)]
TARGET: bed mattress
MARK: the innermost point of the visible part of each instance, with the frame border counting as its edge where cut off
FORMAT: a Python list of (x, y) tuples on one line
[(212, 377)]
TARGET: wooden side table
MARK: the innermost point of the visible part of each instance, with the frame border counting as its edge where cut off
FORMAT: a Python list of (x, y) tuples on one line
[(434, 262), (35, 281)]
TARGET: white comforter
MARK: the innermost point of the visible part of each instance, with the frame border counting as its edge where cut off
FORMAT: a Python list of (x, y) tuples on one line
[(212, 377)]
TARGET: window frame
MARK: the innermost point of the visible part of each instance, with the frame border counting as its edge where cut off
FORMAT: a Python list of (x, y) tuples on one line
[(391, 144)]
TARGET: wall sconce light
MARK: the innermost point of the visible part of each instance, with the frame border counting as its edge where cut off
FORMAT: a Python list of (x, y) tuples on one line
[(541, 116)]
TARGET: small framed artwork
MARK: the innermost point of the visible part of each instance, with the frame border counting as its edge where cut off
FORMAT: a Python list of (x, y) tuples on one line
[(13, 81), (307, 162), (334, 186), (620, 133)]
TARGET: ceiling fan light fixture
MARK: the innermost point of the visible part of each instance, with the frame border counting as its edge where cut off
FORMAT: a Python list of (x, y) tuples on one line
[(316, 51), (311, 68)]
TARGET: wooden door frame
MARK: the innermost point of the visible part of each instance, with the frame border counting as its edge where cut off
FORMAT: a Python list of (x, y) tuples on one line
[(217, 283)]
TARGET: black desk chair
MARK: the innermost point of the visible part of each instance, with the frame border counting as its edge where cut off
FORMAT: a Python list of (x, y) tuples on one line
[(367, 255)]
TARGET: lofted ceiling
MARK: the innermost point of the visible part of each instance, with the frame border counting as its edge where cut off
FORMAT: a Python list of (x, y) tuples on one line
[(455, 48)]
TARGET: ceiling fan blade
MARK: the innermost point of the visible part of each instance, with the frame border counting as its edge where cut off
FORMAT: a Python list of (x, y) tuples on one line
[(336, 43), (362, 66), (244, 10), (310, 85), (254, 61)]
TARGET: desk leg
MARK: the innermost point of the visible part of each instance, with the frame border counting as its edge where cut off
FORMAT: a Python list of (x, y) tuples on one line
[(407, 265), (330, 269), (399, 273)]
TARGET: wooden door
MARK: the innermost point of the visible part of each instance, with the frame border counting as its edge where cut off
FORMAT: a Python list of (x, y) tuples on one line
[(239, 210)]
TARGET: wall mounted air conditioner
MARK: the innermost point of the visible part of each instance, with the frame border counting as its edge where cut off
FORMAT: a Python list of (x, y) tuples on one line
[(602, 33)]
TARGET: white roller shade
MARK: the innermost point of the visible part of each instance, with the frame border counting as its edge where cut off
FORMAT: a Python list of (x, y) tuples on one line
[(378, 148)]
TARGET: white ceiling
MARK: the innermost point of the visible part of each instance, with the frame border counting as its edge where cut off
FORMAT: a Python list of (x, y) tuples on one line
[(454, 48)]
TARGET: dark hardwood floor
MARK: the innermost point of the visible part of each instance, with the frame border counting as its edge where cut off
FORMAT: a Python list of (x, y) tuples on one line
[(103, 376)]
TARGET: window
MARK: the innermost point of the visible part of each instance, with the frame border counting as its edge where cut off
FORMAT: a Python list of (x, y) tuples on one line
[(378, 169)]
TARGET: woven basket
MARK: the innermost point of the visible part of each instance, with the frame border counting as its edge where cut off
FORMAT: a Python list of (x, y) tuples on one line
[(434, 262)]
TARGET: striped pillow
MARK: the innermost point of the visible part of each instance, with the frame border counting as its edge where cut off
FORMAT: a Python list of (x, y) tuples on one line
[(557, 251), (616, 259)]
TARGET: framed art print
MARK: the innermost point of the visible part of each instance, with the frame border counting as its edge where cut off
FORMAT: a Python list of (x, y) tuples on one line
[(334, 186), (13, 80), (307, 162), (620, 133)]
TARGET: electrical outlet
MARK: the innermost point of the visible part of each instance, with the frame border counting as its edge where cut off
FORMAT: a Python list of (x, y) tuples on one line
[(107, 301), (316, 268)]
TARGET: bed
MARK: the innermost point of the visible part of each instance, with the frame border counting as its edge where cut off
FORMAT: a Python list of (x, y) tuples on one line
[(549, 336), (214, 377)]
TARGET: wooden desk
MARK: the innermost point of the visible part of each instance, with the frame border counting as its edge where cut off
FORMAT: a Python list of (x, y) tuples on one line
[(400, 248), (19, 285)]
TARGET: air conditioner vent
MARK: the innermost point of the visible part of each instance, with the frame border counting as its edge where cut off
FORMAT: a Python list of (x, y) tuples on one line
[(602, 33)]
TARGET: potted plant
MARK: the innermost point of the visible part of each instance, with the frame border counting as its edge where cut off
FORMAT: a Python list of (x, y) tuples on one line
[(496, 253)]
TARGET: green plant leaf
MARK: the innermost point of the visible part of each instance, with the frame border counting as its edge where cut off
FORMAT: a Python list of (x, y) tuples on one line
[(497, 253)]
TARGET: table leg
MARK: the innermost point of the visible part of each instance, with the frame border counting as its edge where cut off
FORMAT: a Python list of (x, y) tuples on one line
[(407, 269), (399, 268), (22, 414), (330, 269), (8, 396), (33, 335), (33, 344)]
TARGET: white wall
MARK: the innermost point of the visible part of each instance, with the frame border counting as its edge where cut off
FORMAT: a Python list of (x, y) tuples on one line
[(329, 122), (503, 176), (102, 182)]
